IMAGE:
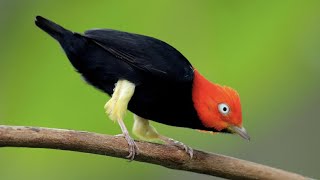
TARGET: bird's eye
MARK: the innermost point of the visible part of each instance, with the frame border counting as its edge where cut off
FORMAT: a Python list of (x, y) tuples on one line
[(223, 108)]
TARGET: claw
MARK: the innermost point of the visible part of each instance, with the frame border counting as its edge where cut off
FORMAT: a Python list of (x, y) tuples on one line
[(187, 149), (132, 146), (178, 144)]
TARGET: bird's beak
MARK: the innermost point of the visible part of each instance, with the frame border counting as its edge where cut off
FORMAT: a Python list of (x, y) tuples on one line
[(240, 131)]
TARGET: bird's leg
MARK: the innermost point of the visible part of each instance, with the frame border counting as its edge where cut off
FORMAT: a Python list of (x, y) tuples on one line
[(143, 130), (110, 105), (116, 108)]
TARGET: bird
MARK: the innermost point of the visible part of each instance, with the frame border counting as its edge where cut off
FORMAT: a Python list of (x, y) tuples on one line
[(153, 80)]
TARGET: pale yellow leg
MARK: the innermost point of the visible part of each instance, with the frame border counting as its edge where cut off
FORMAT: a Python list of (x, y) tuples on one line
[(116, 108), (143, 130), (113, 100)]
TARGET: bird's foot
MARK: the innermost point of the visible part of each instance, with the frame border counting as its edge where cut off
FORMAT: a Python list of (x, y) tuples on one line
[(178, 144), (132, 146)]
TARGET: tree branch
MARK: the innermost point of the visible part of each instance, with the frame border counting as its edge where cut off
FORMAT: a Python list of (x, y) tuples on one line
[(167, 156)]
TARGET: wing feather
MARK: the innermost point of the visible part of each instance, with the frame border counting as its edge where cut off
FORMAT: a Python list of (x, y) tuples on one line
[(145, 53)]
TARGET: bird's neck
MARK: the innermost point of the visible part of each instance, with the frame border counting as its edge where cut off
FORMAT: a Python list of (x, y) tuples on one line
[(200, 84), (203, 100)]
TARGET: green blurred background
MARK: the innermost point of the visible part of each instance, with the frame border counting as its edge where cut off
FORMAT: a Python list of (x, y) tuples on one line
[(267, 50)]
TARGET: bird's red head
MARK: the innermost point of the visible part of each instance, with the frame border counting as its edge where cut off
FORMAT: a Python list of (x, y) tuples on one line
[(218, 107)]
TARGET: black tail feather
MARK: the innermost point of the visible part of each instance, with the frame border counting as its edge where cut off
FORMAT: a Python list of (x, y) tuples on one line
[(53, 29)]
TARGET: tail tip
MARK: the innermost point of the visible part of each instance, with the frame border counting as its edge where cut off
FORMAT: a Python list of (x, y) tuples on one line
[(39, 18)]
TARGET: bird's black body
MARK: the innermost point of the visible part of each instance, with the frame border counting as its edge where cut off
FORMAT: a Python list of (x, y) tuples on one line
[(162, 75)]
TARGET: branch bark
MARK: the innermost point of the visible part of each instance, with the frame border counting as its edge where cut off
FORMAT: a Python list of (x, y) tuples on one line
[(167, 156)]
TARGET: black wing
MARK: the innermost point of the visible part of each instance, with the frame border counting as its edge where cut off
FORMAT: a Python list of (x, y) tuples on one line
[(144, 53)]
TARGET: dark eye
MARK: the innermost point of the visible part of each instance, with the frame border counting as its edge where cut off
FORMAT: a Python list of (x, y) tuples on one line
[(223, 108)]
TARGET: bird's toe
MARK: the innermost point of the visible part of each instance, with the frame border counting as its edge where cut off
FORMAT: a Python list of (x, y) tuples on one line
[(178, 144)]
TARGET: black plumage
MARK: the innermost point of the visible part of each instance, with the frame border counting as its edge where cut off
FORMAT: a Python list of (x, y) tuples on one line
[(162, 75)]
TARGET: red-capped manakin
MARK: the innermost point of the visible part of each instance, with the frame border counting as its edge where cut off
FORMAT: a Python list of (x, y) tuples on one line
[(151, 79)]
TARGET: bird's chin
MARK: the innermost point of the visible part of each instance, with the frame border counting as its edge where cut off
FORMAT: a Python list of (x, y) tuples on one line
[(227, 130), (208, 131)]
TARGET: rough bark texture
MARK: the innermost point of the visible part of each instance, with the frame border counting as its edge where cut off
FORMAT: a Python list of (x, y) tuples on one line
[(167, 156)]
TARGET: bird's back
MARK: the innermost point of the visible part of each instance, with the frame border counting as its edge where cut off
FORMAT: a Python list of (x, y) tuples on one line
[(145, 53)]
